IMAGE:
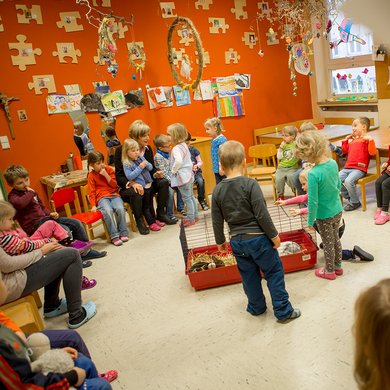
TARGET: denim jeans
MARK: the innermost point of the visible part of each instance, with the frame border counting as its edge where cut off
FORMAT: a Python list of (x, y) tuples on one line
[(199, 185), (187, 192), (108, 206), (92, 380), (348, 178), (170, 203), (254, 256)]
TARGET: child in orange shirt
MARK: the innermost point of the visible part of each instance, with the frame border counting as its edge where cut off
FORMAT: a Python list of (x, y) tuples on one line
[(104, 196)]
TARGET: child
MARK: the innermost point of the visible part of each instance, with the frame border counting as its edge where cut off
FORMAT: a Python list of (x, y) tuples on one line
[(323, 199), (359, 147), (214, 129), (182, 175), (382, 190), (199, 180), (371, 331), (347, 254), (31, 212), (238, 200), (287, 161), (104, 196), (111, 143), (162, 162), (137, 169), (81, 139)]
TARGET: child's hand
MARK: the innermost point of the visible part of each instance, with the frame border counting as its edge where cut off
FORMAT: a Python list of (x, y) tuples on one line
[(80, 375), (50, 247), (138, 188), (294, 212), (158, 175), (349, 136), (384, 166), (276, 241), (54, 215), (29, 189), (195, 168), (72, 352), (143, 164), (280, 203), (93, 209), (367, 137)]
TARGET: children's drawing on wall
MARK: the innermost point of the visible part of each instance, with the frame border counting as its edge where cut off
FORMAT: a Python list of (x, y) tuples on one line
[(72, 89), (134, 98), (206, 90), (242, 81), (114, 103), (226, 86), (160, 97), (22, 115), (101, 87), (182, 96), (264, 8), (57, 104), (91, 103)]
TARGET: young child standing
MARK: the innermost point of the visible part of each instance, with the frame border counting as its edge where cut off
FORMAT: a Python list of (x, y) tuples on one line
[(104, 196), (382, 190), (182, 174), (359, 147), (214, 129), (372, 334), (324, 205), (112, 142), (137, 168), (287, 161), (81, 139), (198, 177), (238, 200)]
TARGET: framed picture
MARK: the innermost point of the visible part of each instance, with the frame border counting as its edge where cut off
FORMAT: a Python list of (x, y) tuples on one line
[(22, 115)]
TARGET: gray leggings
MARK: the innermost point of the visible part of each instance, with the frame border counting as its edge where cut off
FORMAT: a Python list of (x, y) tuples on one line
[(62, 264)]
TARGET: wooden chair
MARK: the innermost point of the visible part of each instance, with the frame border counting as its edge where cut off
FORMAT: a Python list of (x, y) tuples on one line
[(90, 220), (266, 173), (24, 312), (133, 225)]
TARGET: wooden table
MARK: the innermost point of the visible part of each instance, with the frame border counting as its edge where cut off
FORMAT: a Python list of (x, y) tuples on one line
[(203, 144), (332, 133), (71, 179), (381, 137)]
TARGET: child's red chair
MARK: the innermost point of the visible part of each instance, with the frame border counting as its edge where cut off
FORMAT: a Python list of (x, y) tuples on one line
[(90, 219)]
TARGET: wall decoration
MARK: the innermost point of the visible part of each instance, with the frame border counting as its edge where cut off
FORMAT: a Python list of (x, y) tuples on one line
[(298, 53), (206, 90), (4, 142), (230, 56), (264, 8), (68, 20), (107, 45), (134, 98), (57, 104), (4, 104), (204, 4), (66, 50), (104, 3), (218, 24), (74, 101), (91, 103), (177, 55), (101, 87), (137, 56), (242, 81), (238, 9), (22, 115), (165, 101), (250, 39), (186, 24), (98, 59), (206, 58), (26, 54), (114, 103), (29, 14), (271, 34), (186, 36), (1, 25), (228, 101), (45, 81), (120, 29), (182, 96), (72, 89), (345, 34), (168, 10)]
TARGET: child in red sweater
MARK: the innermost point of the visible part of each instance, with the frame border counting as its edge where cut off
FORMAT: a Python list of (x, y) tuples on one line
[(104, 196), (359, 147)]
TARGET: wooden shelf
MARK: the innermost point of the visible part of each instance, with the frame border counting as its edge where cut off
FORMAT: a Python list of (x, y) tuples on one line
[(350, 105)]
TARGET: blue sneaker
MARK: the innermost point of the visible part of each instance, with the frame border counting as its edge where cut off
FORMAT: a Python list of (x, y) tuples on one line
[(61, 309)]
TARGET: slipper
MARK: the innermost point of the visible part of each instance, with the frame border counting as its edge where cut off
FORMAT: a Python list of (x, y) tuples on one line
[(93, 254), (61, 309), (88, 283), (109, 376), (90, 311)]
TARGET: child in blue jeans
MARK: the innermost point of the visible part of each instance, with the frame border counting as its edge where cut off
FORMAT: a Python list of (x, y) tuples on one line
[(238, 200)]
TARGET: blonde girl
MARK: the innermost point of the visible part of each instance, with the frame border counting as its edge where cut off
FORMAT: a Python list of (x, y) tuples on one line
[(81, 139), (104, 196), (137, 169), (182, 174), (372, 337), (324, 205), (215, 129)]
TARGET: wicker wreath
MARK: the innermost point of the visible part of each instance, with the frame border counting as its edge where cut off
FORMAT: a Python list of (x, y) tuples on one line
[(199, 50), (142, 56)]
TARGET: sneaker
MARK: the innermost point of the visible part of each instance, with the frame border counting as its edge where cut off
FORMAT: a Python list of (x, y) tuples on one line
[(204, 205), (362, 254), (281, 197), (159, 223), (61, 309), (338, 271), (292, 316), (173, 218), (321, 273), (124, 238), (165, 219), (86, 283), (187, 223), (382, 219), (109, 376), (377, 214), (94, 254), (154, 227), (117, 241), (87, 263), (352, 206), (183, 213)]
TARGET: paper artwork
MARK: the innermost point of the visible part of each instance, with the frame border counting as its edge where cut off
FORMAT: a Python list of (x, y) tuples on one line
[(242, 81), (134, 98), (60, 104), (165, 95), (114, 103), (182, 96)]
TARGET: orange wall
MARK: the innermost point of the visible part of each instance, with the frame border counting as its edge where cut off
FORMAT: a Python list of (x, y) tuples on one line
[(43, 142)]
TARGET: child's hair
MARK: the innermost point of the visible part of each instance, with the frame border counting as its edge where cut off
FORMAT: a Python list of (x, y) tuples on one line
[(306, 126), (94, 157), (178, 133), (161, 140), (6, 210), (231, 154), (77, 125), (311, 146), (216, 123), (305, 172), (189, 137), (110, 132), (129, 144), (372, 337), (364, 121), (290, 130), (138, 129), (14, 172)]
